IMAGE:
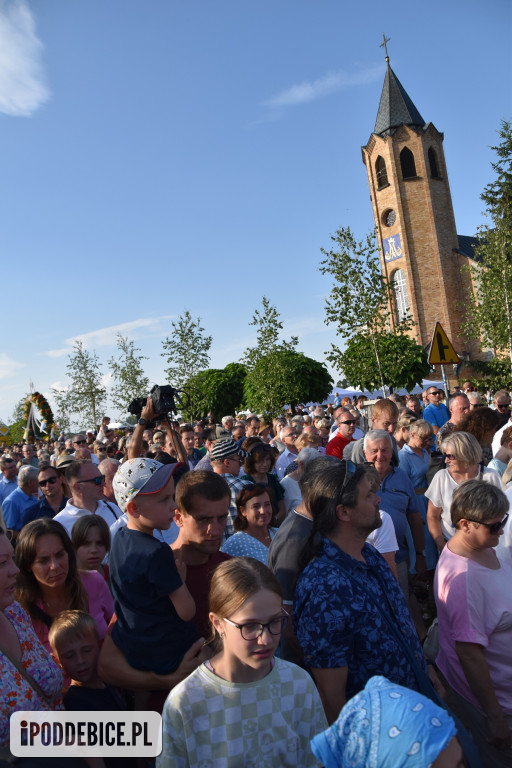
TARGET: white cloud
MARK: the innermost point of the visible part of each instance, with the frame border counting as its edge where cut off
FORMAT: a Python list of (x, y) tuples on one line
[(22, 82), (311, 90), (105, 337), (8, 366)]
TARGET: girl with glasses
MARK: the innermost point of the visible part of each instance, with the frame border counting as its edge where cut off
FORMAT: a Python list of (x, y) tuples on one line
[(243, 706)]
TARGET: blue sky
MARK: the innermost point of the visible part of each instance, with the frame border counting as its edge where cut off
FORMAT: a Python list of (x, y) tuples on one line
[(158, 156)]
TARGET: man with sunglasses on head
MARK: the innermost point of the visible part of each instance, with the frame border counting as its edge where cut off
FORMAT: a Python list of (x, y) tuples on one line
[(86, 484), (346, 428), (53, 501)]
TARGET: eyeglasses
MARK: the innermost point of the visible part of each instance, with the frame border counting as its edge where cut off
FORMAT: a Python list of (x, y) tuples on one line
[(237, 458), (79, 442), (254, 630), (51, 480), (347, 421), (450, 457), (494, 528), (99, 480)]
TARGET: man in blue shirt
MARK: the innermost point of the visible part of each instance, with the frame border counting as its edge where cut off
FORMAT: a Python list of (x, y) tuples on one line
[(53, 500), (436, 413), (8, 482), (25, 496)]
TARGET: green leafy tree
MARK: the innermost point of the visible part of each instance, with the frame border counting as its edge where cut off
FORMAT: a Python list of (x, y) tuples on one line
[(360, 297), (285, 377), (403, 362), (186, 350), (128, 375), (83, 401), (268, 328), (17, 422), (489, 310), (217, 390)]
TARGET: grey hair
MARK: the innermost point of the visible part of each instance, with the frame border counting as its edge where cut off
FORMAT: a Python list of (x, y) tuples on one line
[(478, 501), (26, 474), (227, 418), (109, 464), (464, 446), (420, 427), (376, 434), (307, 455)]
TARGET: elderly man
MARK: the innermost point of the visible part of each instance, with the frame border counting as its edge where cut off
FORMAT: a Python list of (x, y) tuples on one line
[(227, 457), (29, 459), (398, 499), (345, 434), (22, 499), (8, 482), (501, 403), (459, 407), (436, 413), (288, 436), (228, 423), (80, 443), (475, 400), (384, 416), (86, 483)]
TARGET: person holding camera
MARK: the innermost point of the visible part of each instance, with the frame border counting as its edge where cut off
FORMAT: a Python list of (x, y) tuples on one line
[(172, 443)]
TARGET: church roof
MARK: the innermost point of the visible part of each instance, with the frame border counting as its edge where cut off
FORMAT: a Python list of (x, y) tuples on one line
[(467, 246), (395, 108)]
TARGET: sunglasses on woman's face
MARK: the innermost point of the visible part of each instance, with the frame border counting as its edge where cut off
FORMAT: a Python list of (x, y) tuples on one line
[(494, 528)]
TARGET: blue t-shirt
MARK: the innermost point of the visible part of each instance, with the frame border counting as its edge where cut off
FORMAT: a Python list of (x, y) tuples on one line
[(142, 574)]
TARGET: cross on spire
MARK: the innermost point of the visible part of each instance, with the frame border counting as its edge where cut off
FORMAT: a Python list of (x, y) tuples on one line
[(384, 45)]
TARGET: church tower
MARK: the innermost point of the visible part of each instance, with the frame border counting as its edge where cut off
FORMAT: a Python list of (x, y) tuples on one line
[(421, 253)]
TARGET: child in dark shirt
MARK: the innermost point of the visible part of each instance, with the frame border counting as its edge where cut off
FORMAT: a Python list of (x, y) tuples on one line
[(153, 606), (75, 643)]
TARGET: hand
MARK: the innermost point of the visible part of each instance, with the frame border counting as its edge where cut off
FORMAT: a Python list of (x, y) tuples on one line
[(180, 564), (196, 654), (148, 412), (434, 679), (500, 734)]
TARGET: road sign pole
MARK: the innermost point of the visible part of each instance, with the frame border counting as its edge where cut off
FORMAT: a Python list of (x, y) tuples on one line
[(446, 387)]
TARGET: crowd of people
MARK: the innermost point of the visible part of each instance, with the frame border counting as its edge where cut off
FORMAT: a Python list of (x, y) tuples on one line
[(270, 586)]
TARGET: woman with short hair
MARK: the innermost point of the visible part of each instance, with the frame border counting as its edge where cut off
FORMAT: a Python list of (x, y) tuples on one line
[(462, 454)]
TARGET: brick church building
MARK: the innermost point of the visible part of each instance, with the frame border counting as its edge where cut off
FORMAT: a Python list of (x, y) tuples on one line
[(421, 253)]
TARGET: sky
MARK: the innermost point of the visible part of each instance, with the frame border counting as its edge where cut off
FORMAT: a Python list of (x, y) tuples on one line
[(163, 155)]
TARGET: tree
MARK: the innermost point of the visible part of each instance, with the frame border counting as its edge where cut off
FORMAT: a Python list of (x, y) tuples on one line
[(83, 401), (403, 362), (285, 377), (217, 390), (186, 351), (18, 424), (128, 374), (489, 309), (268, 327), (358, 304)]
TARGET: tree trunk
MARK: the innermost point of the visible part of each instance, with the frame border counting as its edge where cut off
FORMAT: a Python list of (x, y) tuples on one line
[(378, 364)]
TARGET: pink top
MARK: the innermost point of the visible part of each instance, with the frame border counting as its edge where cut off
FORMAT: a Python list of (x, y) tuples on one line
[(101, 605), (474, 605)]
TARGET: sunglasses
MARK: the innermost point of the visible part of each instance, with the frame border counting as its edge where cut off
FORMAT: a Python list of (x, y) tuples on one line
[(99, 480), (494, 528), (347, 421), (502, 405), (51, 480), (450, 457), (79, 442)]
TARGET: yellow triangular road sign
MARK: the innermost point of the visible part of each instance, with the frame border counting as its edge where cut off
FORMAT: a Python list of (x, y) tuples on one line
[(441, 348)]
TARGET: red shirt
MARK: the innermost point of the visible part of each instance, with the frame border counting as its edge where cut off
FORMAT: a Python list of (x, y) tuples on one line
[(336, 446)]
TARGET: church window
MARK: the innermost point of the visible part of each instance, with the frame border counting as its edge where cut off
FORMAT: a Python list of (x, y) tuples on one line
[(432, 160), (401, 295), (382, 174), (407, 163)]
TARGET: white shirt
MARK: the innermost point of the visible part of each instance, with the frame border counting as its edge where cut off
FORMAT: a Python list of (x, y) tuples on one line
[(384, 538), (496, 441), (109, 512), (285, 458), (504, 548)]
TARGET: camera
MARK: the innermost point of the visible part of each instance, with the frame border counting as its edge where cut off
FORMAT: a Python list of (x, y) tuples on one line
[(163, 401)]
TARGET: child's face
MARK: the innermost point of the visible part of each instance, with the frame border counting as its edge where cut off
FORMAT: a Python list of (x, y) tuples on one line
[(156, 510), (91, 553), (79, 657)]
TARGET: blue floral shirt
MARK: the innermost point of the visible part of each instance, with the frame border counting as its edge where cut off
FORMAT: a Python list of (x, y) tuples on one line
[(338, 625)]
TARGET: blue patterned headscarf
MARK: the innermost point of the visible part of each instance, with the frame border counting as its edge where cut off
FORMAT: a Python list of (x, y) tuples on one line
[(385, 726)]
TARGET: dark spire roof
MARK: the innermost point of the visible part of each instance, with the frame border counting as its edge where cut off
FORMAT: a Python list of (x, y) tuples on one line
[(395, 108)]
